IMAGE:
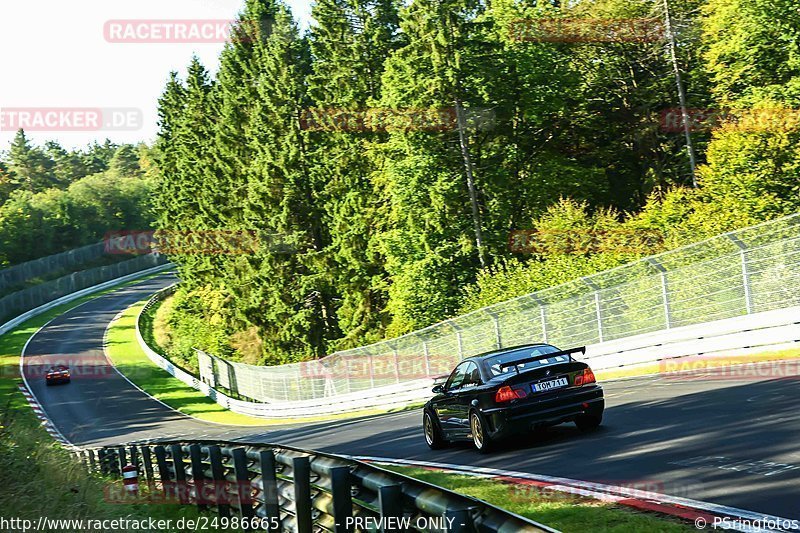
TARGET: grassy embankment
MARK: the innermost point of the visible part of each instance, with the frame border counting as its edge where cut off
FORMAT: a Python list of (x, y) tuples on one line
[(38, 477)]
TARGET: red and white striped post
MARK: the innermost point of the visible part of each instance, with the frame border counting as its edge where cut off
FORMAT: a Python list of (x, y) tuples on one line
[(130, 478)]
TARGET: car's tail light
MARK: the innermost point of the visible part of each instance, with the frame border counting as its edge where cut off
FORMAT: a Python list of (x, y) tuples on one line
[(585, 377), (506, 394)]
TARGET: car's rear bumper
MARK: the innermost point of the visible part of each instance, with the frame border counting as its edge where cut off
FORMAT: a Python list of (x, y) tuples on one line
[(523, 417), (56, 381)]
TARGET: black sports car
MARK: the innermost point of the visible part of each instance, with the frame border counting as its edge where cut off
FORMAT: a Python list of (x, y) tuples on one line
[(510, 391), (57, 374)]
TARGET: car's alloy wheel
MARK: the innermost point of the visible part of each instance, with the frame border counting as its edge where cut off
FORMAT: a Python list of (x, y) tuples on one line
[(433, 437), (479, 437)]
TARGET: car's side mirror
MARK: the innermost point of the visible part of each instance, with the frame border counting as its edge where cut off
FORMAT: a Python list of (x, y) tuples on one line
[(437, 389)]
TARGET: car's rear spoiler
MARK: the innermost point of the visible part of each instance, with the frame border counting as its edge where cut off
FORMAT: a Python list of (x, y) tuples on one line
[(518, 362)]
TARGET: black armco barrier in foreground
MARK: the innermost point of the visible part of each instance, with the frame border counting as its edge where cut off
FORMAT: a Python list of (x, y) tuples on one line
[(277, 488)]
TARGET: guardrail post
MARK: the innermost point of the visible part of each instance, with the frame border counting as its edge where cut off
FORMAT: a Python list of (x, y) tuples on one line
[(198, 476), (269, 484), (243, 488), (167, 486), (92, 463), (121, 459), (342, 499), (390, 503), (218, 475), (102, 460), (134, 454), (458, 521), (664, 290), (301, 472), (598, 309), (147, 464), (748, 298), (180, 472)]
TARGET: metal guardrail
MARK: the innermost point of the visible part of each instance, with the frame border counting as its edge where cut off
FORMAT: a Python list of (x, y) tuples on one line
[(21, 301), (278, 488), (22, 272)]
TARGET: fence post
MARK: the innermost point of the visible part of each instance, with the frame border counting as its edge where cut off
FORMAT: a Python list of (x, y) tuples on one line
[(498, 339), (664, 290), (371, 371), (748, 298), (598, 310), (542, 315), (342, 499), (269, 488), (301, 474), (427, 358), (459, 340), (396, 363), (218, 475), (243, 488)]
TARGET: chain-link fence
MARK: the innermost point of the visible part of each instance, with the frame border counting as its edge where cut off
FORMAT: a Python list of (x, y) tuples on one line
[(19, 274), (747, 271), (19, 302)]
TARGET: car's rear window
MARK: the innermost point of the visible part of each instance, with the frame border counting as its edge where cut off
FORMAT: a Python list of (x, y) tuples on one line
[(493, 363)]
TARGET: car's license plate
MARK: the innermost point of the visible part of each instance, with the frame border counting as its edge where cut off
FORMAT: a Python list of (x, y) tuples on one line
[(549, 385)]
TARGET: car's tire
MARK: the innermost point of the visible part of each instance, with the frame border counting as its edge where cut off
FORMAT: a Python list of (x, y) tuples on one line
[(588, 422), (432, 431), (480, 439)]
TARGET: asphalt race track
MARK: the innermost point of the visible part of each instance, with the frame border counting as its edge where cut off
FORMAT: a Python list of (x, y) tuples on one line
[(733, 442)]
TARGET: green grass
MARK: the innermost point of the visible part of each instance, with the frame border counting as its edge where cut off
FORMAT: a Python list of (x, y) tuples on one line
[(562, 511), (129, 358), (41, 478)]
